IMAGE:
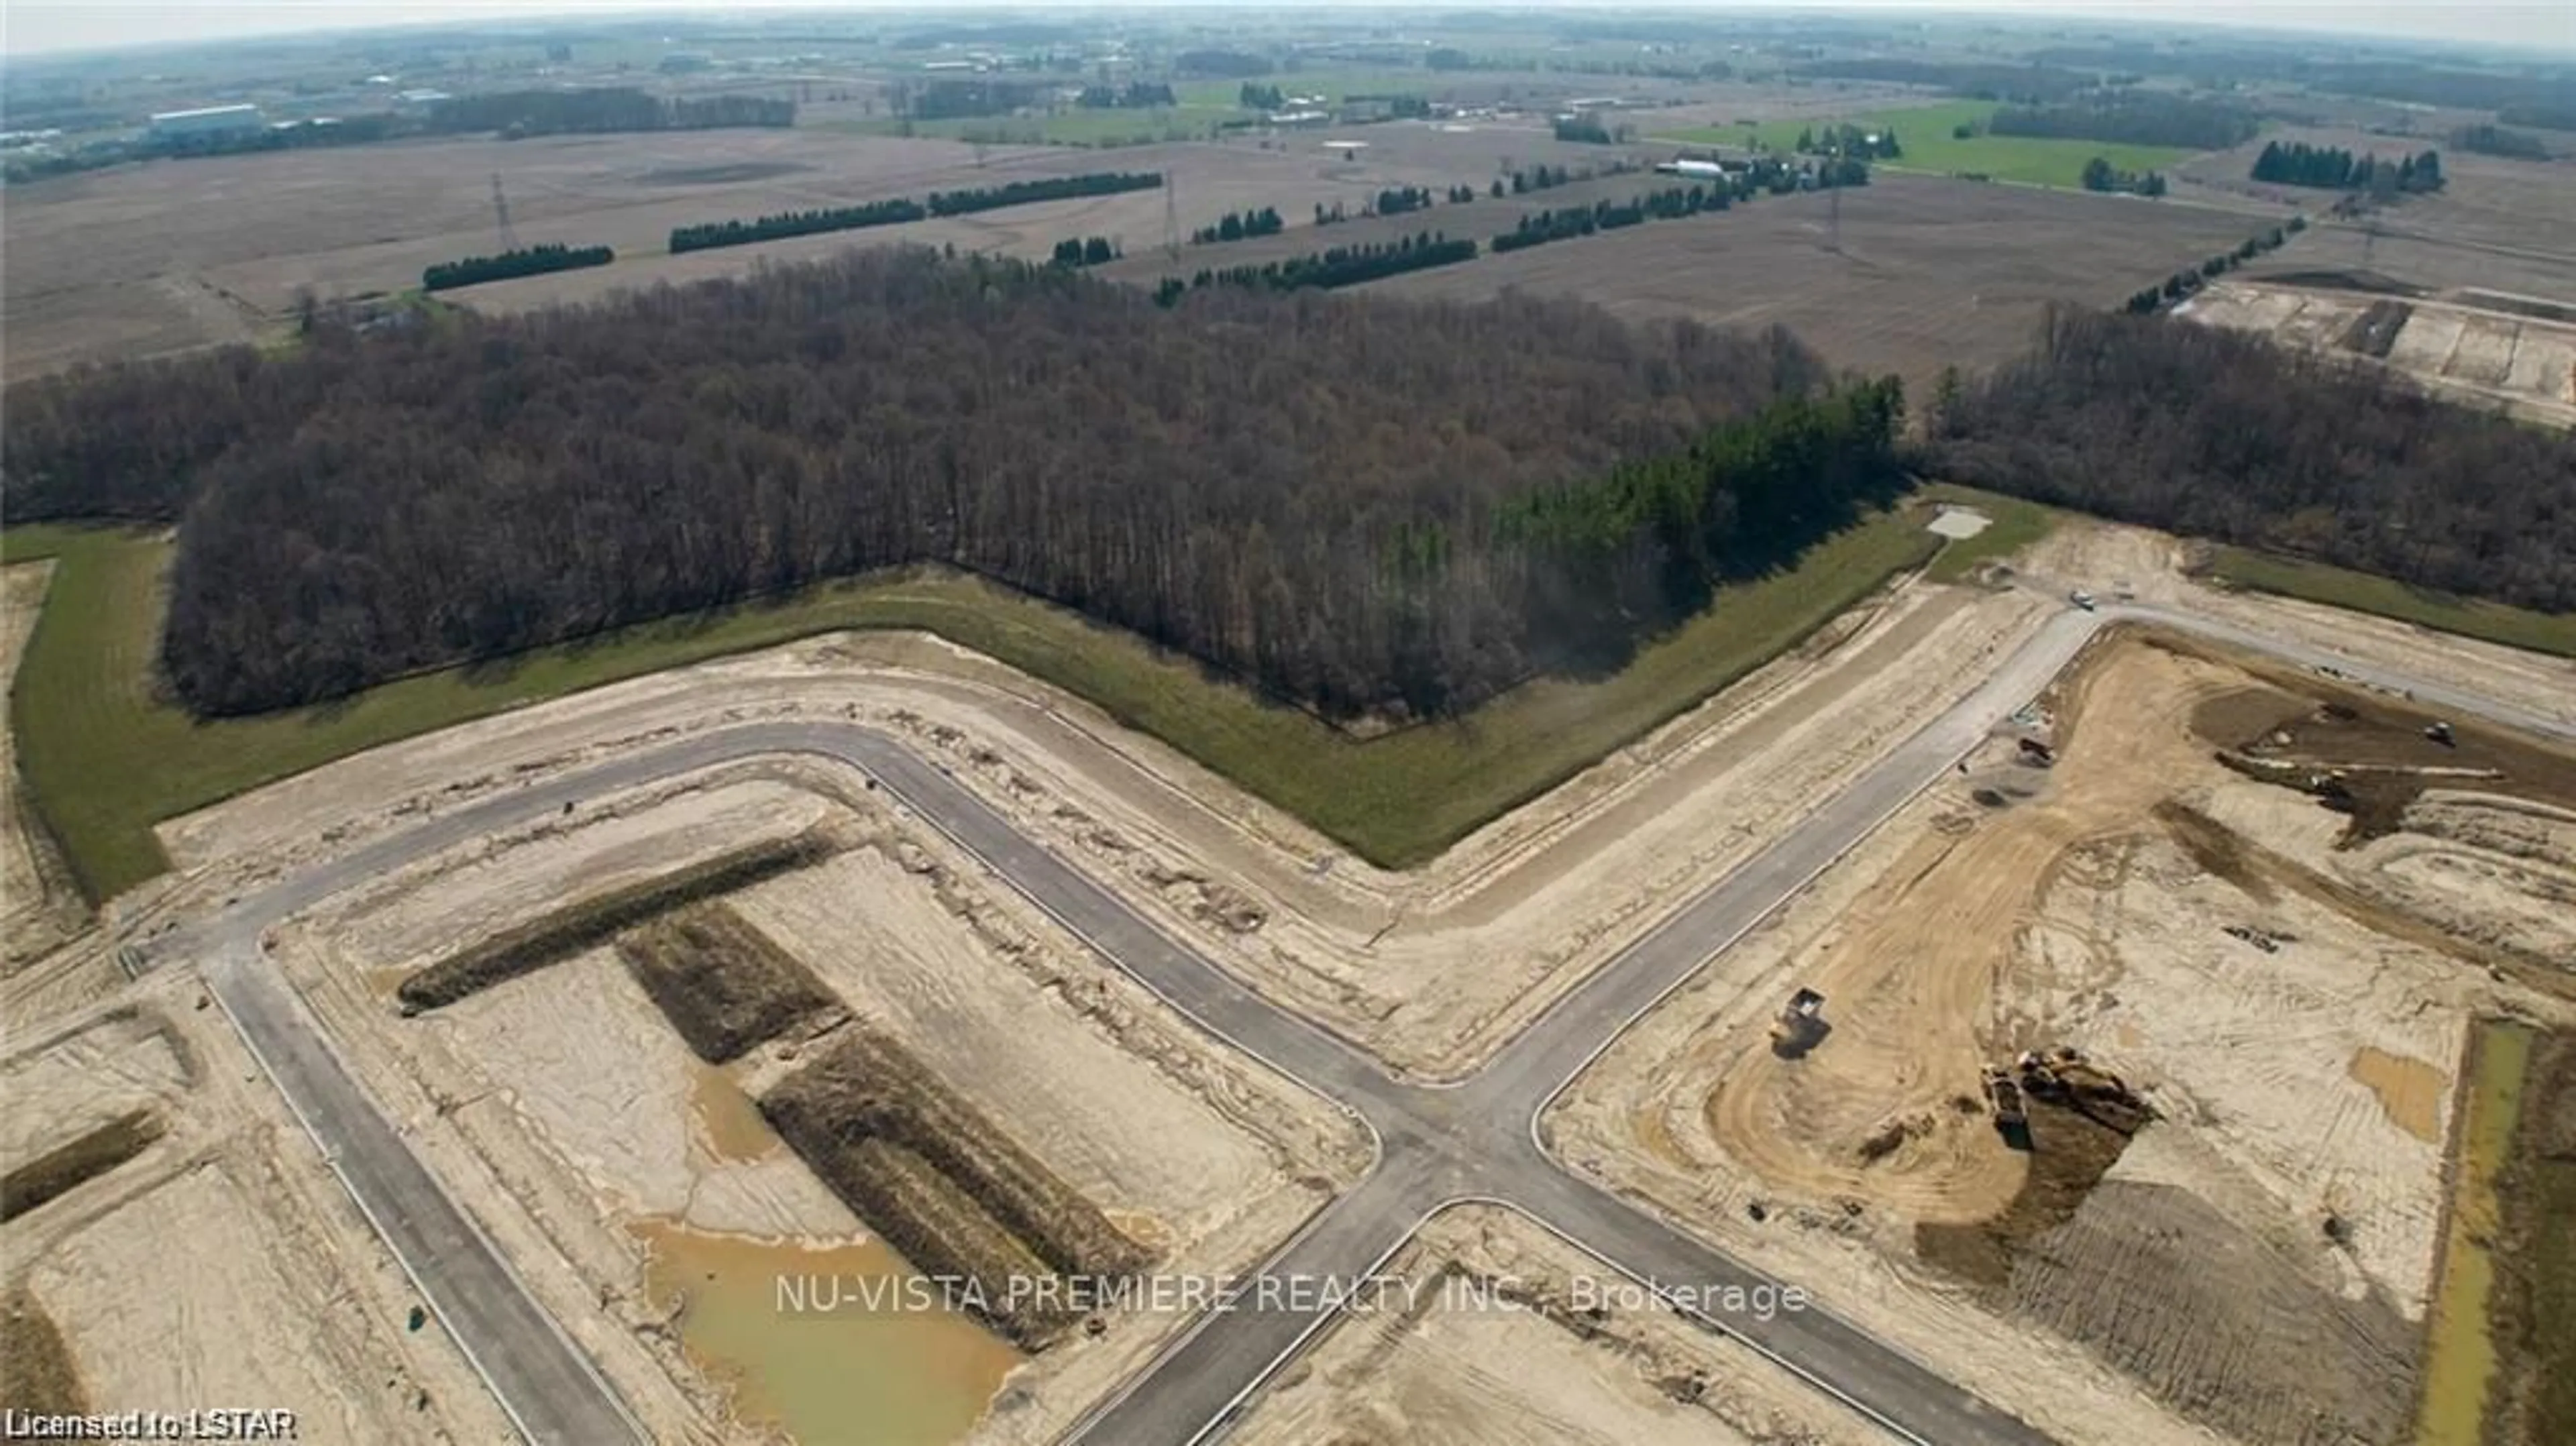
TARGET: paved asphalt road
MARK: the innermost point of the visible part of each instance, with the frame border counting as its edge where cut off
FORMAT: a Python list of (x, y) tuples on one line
[(1475, 1139)]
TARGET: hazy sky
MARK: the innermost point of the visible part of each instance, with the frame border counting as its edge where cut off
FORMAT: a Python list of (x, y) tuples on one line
[(28, 26)]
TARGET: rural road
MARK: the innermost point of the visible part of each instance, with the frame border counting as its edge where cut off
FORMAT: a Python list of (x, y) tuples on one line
[(1439, 1144)]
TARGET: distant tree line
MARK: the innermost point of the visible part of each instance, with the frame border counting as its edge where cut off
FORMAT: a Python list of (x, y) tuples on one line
[(1134, 95), (960, 99), (1566, 223), (1982, 80), (708, 235), (1240, 225), (1220, 64), (1051, 188), (2337, 169), (527, 261), (2101, 175), (2492, 140), (517, 113), (1086, 251), (2550, 116), (2214, 433), (1256, 96), (2131, 118), (1385, 506), (1336, 267)]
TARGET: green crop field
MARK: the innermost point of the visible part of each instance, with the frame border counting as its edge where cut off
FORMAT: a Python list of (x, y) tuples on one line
[(1925, 134), (106, 757)]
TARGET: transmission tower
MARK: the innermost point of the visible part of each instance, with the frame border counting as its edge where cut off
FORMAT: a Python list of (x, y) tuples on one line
[(1834, 220), (501, 211), (1171, 220)]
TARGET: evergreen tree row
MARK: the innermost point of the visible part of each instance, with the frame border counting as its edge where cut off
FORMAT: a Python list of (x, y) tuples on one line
[(1240, 225), (1087, 251), (2190, 279), (1134, 95), (527, 261), (1564, 223), (2130, 116), (2101, 175), (1051, 188), (708, 235), (518, 113), (2334, 168), (1336, 267)]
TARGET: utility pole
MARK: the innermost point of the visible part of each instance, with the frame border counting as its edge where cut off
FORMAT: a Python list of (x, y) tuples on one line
[(501, 210), (1171, 219)]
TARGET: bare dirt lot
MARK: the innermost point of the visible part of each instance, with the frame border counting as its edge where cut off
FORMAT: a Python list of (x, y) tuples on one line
[(281, 1296), (2326, 1117), (2464, 341), (2291, 1018), (163, 256), (969, 1084), (1930, 271), (1494, 1332)]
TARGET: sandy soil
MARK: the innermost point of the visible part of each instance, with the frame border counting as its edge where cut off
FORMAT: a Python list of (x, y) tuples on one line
[(2103, 556), (2295, 1086), (1431, 969), (570, 1115), (38, 908), (2449, 345), (282, 1296), (1479, 1345)]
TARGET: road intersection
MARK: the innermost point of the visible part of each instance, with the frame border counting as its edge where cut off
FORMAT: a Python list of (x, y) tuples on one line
[(1438, 1144)]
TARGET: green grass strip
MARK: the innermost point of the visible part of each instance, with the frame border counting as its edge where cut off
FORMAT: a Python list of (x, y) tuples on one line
[(106, 757)]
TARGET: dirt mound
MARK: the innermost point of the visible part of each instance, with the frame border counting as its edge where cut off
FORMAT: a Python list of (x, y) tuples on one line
[(2370, 756), (590, 922), (2228, 1329), (723, 984), (2374, 331), (86, 1158), (943, 1183), (37, 1377), (2070, 1152)]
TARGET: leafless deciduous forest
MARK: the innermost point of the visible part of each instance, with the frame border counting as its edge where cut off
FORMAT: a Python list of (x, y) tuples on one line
[(2224, 435), (1363, 504)]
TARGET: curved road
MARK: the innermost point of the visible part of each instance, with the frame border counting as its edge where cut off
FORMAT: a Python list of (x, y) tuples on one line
[(1477, 1139)]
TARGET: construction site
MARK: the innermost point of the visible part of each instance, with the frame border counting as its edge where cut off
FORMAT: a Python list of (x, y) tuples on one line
[(2141, 1033), (2115, 1077)]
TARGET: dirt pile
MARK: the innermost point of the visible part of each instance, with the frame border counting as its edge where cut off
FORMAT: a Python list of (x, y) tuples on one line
[(954, 1192), (2367, 755), (2070, 1152), (723, 984), (591, 921), (77, 1162)]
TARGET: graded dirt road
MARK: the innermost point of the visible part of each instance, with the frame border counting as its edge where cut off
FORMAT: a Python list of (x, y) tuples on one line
[(1438, 1144)]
